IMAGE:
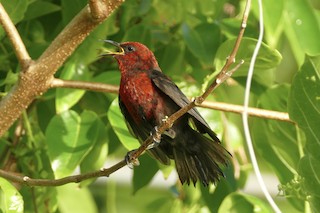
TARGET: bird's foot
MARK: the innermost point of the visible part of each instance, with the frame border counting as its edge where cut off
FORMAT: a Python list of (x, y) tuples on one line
[(131, 162), (156, 137)]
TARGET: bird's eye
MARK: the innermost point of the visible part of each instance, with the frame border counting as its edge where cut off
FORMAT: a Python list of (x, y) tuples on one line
[(130, 49)]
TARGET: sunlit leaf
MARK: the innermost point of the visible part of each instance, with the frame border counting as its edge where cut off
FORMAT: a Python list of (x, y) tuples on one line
[(10, 199), (66, 98), (70, 137), (238, 202), (119, 126)]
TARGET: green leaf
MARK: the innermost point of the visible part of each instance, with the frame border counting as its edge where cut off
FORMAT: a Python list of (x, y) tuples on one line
[(144, 173), (309, 168), (238, 202), (10, 199), (40, 8), (71, 9), (302, 27), (95, 159), (304, 103), (277, 142), (80, 200), (196, 44), (304, 109), (267, 59), (66, 98), (139, 33), (119, 126), (70, 138), (15, 9), (273, 19)]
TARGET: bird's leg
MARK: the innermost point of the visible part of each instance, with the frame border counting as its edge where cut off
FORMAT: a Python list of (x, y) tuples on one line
[(131, 162), (156, 137)]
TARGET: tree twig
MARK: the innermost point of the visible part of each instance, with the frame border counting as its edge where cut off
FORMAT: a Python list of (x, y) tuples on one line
[(16, 41), (101, 87)]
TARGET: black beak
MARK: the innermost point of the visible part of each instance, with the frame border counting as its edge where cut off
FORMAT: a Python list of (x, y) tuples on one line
[(116, 44)]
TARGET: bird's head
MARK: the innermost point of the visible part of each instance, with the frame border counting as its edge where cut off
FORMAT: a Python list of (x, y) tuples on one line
[(133, 56)]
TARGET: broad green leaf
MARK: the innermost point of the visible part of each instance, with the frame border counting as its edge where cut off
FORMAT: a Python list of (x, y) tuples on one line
[(144, 173), (70, 138), (140, 33), (267, 58), (276, 141), (304, 109), (196, 44), (109, 77), (73, 198), (40, 8), (15, 10), (119, 126), (71, 8), (302, 21), (304, 103), (309, 168), (96, 158), (238, 202), (10, 199), (66, 98), (273, 19)]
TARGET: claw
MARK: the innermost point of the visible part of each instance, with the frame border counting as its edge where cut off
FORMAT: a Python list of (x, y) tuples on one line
[(131, 162), (156, 137)]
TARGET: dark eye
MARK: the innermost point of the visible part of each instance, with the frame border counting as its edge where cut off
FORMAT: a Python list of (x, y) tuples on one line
[(130, 49)]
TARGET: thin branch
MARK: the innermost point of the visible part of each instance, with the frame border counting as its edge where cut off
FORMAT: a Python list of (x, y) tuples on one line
[(13, 35), (101, 87), (93, 86), (105, 172)]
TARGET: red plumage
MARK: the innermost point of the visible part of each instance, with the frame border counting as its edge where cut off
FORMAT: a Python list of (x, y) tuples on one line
[(146, 97)]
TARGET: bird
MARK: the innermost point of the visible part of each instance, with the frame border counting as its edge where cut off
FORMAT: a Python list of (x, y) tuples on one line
[(147, 97)]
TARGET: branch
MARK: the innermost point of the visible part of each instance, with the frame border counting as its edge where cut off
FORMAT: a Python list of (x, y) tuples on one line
[(36, 79), (105, 172), (13, 35), (101, 87)]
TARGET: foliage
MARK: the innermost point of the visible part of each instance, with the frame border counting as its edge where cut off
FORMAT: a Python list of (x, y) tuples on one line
[(66, 129)]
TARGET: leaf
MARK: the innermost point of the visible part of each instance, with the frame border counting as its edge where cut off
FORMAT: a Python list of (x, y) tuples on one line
[(195, 44), (304, 109), (10, 199), (267, 58), (40, 8), (70, 137), (139, 33), (277, 142), (302, 26), (273, 19), (304, 103), (66, 98), (238, 202), (119, 126), (71, 9), (80, 200), (144, 173)]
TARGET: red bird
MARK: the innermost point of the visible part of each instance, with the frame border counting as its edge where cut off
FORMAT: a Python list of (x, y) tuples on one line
[(146, 97)]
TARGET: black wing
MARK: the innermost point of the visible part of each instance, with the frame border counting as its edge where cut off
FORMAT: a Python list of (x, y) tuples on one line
[(142, 132), (170, 89)]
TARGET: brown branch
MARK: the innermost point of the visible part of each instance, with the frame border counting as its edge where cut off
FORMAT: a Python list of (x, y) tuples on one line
[(97, 87), (36, 79), (105, 172), (16, 41), (101, 87)]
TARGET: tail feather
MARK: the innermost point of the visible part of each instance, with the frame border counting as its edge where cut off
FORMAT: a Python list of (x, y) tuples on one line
[(199, 158)]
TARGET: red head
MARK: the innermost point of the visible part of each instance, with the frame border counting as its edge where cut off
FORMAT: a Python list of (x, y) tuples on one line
[(134, 56)]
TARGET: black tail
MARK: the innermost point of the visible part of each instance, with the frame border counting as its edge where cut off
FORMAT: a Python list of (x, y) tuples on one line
[(199, 158)]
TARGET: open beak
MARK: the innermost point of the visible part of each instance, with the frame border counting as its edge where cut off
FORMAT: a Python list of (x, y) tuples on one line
[(116, 44)]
